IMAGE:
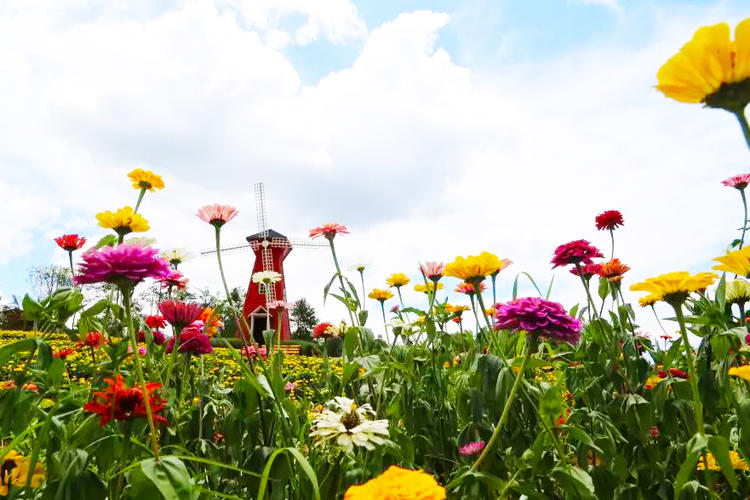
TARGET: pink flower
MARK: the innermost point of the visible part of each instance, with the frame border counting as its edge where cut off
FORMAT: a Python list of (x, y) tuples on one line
[(122, 265), (538, 317), (471, 448), (174, 279), (328, 230), (653, 431), (609, 219), (575, 252), (192, 341), (158, 336), (432, 270), (290, 386), (738, 181), (141, 351), (588, 270), (216, 214), (252, 352), (179, 314), (277, 304)]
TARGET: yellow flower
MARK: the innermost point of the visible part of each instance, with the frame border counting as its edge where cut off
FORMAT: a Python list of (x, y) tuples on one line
[(397, 280), (18, 473), (398, 484), (738, 291), (741, 371), (710, 68), (380, 295), (145, 179), (474, 267), (123, 221), (737, 262), (649, 300), (738, 462), (458, 310), (652, 382), (490, 311), (673, 288), (427, 287)]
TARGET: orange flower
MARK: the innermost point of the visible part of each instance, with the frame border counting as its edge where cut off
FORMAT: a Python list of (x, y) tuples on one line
[(613, 270), (212, 320)]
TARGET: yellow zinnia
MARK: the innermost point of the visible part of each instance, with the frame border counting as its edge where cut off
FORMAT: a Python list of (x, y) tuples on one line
[(123, 221), (738, 462), (427, 287), (398, 484), (711, 68), (474, 268), (145, 179), (737, 262), (674, 288), (742, 372), (380, 295), (397, 280)]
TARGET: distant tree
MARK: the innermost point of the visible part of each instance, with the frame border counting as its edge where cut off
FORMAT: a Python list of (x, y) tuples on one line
[(303, 318), (46, 280)]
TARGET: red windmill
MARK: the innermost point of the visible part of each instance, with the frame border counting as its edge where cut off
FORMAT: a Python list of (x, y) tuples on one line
[(270, 249)]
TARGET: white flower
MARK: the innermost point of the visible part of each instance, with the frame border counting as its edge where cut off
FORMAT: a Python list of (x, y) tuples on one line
[(141, 241), (176, 256), (359, 266), (266, 277), (349, 426)]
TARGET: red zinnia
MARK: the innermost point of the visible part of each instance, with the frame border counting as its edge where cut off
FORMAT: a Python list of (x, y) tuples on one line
[(70, 242), (328, 230), (63, 353), (737, 181), (610, 219), (155, 322), (120, 402), (93, 340), (179, 314), (587, 270), (575, 252), (321, 330)]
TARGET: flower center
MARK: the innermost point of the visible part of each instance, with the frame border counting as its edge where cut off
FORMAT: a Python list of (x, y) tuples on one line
[(351, 420)]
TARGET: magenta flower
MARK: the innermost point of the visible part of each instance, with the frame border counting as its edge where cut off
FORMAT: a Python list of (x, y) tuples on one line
[(252, 352), (158, 336), (538, 317), (216, 214), (121, 265), (737, 181), (575, 252), (471, 448), (432, 270), (192, 341), (179, 314), (174, 279), (290, 387)]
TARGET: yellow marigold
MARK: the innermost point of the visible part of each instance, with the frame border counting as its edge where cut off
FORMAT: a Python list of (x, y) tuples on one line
[(145, 179), (380, 295), (711, 68), (398, 484), (738, 462), (474, 267), (397, 280), (123, 221), (738, 291), (427, 287), (16, 471), (737, 262), (742, 372), (674, 287)]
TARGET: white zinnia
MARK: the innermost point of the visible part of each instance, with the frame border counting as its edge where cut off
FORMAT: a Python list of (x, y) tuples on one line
[(349, 426), (176, 256), (266, 277)]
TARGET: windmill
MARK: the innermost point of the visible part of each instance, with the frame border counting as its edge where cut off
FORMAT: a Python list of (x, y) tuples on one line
[(270, 249)]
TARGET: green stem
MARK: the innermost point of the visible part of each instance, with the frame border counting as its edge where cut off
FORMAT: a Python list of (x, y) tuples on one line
[(612, 237), (588, 292), (691, 369), (341, 280), (362, 279), (385, 323), (660, 325), (72, 271), (139, 371), (744, 220), (506, 409), (481, 306), (140, 199), (494, 294), (740, 114), (239, 311)]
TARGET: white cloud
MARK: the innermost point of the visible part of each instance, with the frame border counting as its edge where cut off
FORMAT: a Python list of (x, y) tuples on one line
[(423, 158)]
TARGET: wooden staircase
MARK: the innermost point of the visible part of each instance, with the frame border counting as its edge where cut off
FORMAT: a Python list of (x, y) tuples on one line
[(288, 349)]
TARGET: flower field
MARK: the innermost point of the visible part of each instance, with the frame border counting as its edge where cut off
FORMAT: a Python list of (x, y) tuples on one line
[(494, 397)]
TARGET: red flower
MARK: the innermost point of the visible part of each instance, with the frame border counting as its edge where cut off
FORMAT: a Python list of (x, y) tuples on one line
[(613, 270), (158, 336), (588, 270), (321, 330), (468, 288), (610, 219), (156, 322), (93, 340), (328, 230), (70, 242), (575, 252), (179, 314), (120, 402), (653, 431), (678, 373), (457, 320), (63, 353), (737, 181)]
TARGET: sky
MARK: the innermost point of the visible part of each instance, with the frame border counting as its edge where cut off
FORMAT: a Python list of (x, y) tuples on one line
[(430, 129)]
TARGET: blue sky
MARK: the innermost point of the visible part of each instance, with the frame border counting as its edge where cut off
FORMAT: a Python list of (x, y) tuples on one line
[(383, 115)]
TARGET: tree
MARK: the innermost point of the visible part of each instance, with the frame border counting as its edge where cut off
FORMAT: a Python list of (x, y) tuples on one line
[(46, 280), (303, 318)]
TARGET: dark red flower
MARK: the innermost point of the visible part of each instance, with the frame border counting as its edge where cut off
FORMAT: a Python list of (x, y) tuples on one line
[(63, 353), (158, 336), (179, 314), (70, 242), (120, 402), (156, 322), (92, 339), (192, 340), (588, 270), (678, 373), (575, 252), (653, 431), (610, 219)]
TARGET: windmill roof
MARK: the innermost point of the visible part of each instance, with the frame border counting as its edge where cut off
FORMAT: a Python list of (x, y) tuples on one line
[(269, 234)]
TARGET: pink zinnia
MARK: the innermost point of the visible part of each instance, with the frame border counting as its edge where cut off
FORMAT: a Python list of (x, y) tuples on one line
[(123, 264), (738, 181), (575, 252), (157, 335), (174, 279), (253, 352), (179, 314), (70, 242), (216, 214), (538, 317), (471, 448), (609, 219), (192, 341), (432, 270), (328, 230), (277, 304)]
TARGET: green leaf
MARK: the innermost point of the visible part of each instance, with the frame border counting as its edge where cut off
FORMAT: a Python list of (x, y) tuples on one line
[(575, 481), (603, 288), (582, 436), (328, 287), (107, 241), (300, 459), (720, 449), (693, 450), (350, 341), (168, 479)]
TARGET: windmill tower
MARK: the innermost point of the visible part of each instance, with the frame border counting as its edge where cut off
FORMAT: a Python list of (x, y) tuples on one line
[(270, 249)]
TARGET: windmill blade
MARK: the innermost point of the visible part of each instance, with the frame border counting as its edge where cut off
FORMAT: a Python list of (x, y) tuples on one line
[(241, 247), (267, 257), (300, 243), (260, 208)]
